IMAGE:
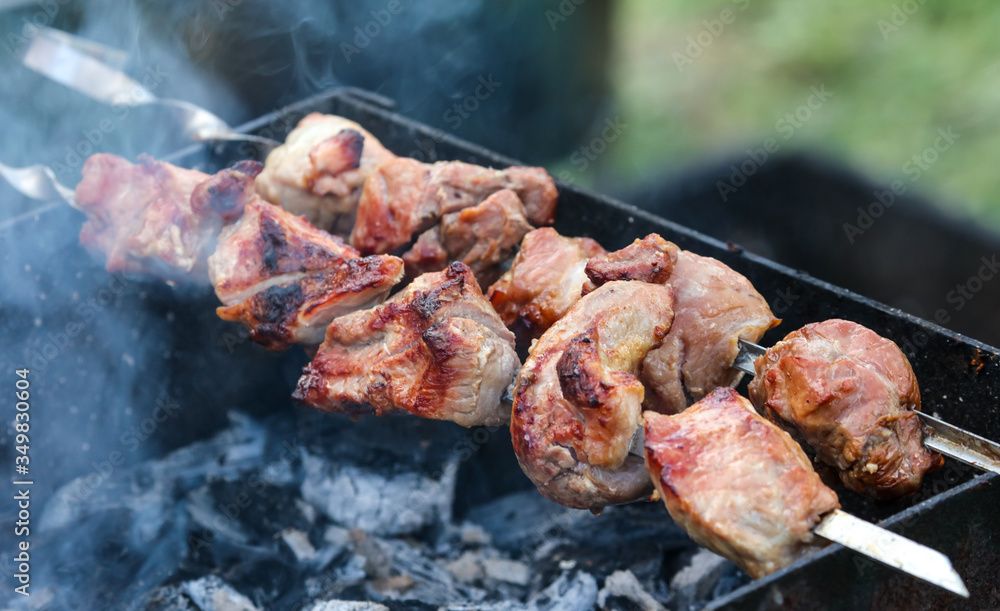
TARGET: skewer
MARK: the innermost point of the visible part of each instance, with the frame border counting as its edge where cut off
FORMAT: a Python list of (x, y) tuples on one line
[(947, 439), (883, 546), (95, 71), (891, 549), (686, 447)]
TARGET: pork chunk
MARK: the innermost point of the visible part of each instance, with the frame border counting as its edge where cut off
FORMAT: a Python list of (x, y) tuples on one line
[(405, 197), (577, 400), (546, 278), (436, 350), (142, 219), (851, 394), (483, 237), (285, 280), (738, 484), (320, 170)]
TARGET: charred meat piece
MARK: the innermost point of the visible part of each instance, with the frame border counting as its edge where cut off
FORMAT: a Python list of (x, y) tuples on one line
[(715, 308), (143, 219), (850, 394), (436, 350), (651, 259), (285, 280), (546, 278), (405, 197), (321, 169), (577, 400), (483, 237), (738, 484)]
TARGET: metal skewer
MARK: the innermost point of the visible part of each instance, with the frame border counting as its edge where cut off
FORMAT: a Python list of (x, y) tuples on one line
[(94, 70), (873, 541), (947, 439), (891, 549)]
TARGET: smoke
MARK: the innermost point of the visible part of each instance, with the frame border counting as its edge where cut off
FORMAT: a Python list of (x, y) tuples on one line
[(123, 368)]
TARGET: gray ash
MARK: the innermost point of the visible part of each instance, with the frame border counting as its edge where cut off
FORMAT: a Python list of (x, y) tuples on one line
[(302, 510)]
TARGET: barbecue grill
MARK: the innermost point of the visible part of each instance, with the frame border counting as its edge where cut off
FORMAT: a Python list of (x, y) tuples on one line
[(208, 366)]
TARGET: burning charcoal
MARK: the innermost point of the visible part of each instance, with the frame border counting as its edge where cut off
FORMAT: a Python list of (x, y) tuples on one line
[(467, 568), (212, 594), (298, 542), (347, 605), (379, 503), (509, 571), (695, 582), (623, 585), (525, 522), (567, 593), (431, 583)]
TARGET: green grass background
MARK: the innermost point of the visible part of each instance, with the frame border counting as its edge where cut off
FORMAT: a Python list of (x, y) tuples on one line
[(893, 87)]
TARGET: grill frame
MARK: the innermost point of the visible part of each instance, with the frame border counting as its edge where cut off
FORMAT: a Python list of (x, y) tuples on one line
[(959, 376)]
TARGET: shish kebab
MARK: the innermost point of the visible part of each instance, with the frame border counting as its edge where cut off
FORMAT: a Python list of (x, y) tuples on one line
[(225, 189), (742, 487), (753, 498), (323, 170), (715, 310)]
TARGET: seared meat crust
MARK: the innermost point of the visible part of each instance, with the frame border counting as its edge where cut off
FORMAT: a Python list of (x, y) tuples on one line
[(436, 349), (850, 394), (577, 400), (320, 170), (715, 308), (546, 278), (285, 280), (651, 259), (738, 484), (483, 237), (405, 197)]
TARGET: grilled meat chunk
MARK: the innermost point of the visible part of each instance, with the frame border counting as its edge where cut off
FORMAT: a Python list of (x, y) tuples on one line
[(651, 259), (320, 170), (285, 280), (143, 219), (738, 484), (850, 394), (483, 237), (577, 400), (405, 197), (436, 350), (715, 306), (546, 278)]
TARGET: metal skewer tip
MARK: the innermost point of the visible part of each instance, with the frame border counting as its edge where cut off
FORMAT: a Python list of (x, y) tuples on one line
[(891, 550)]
